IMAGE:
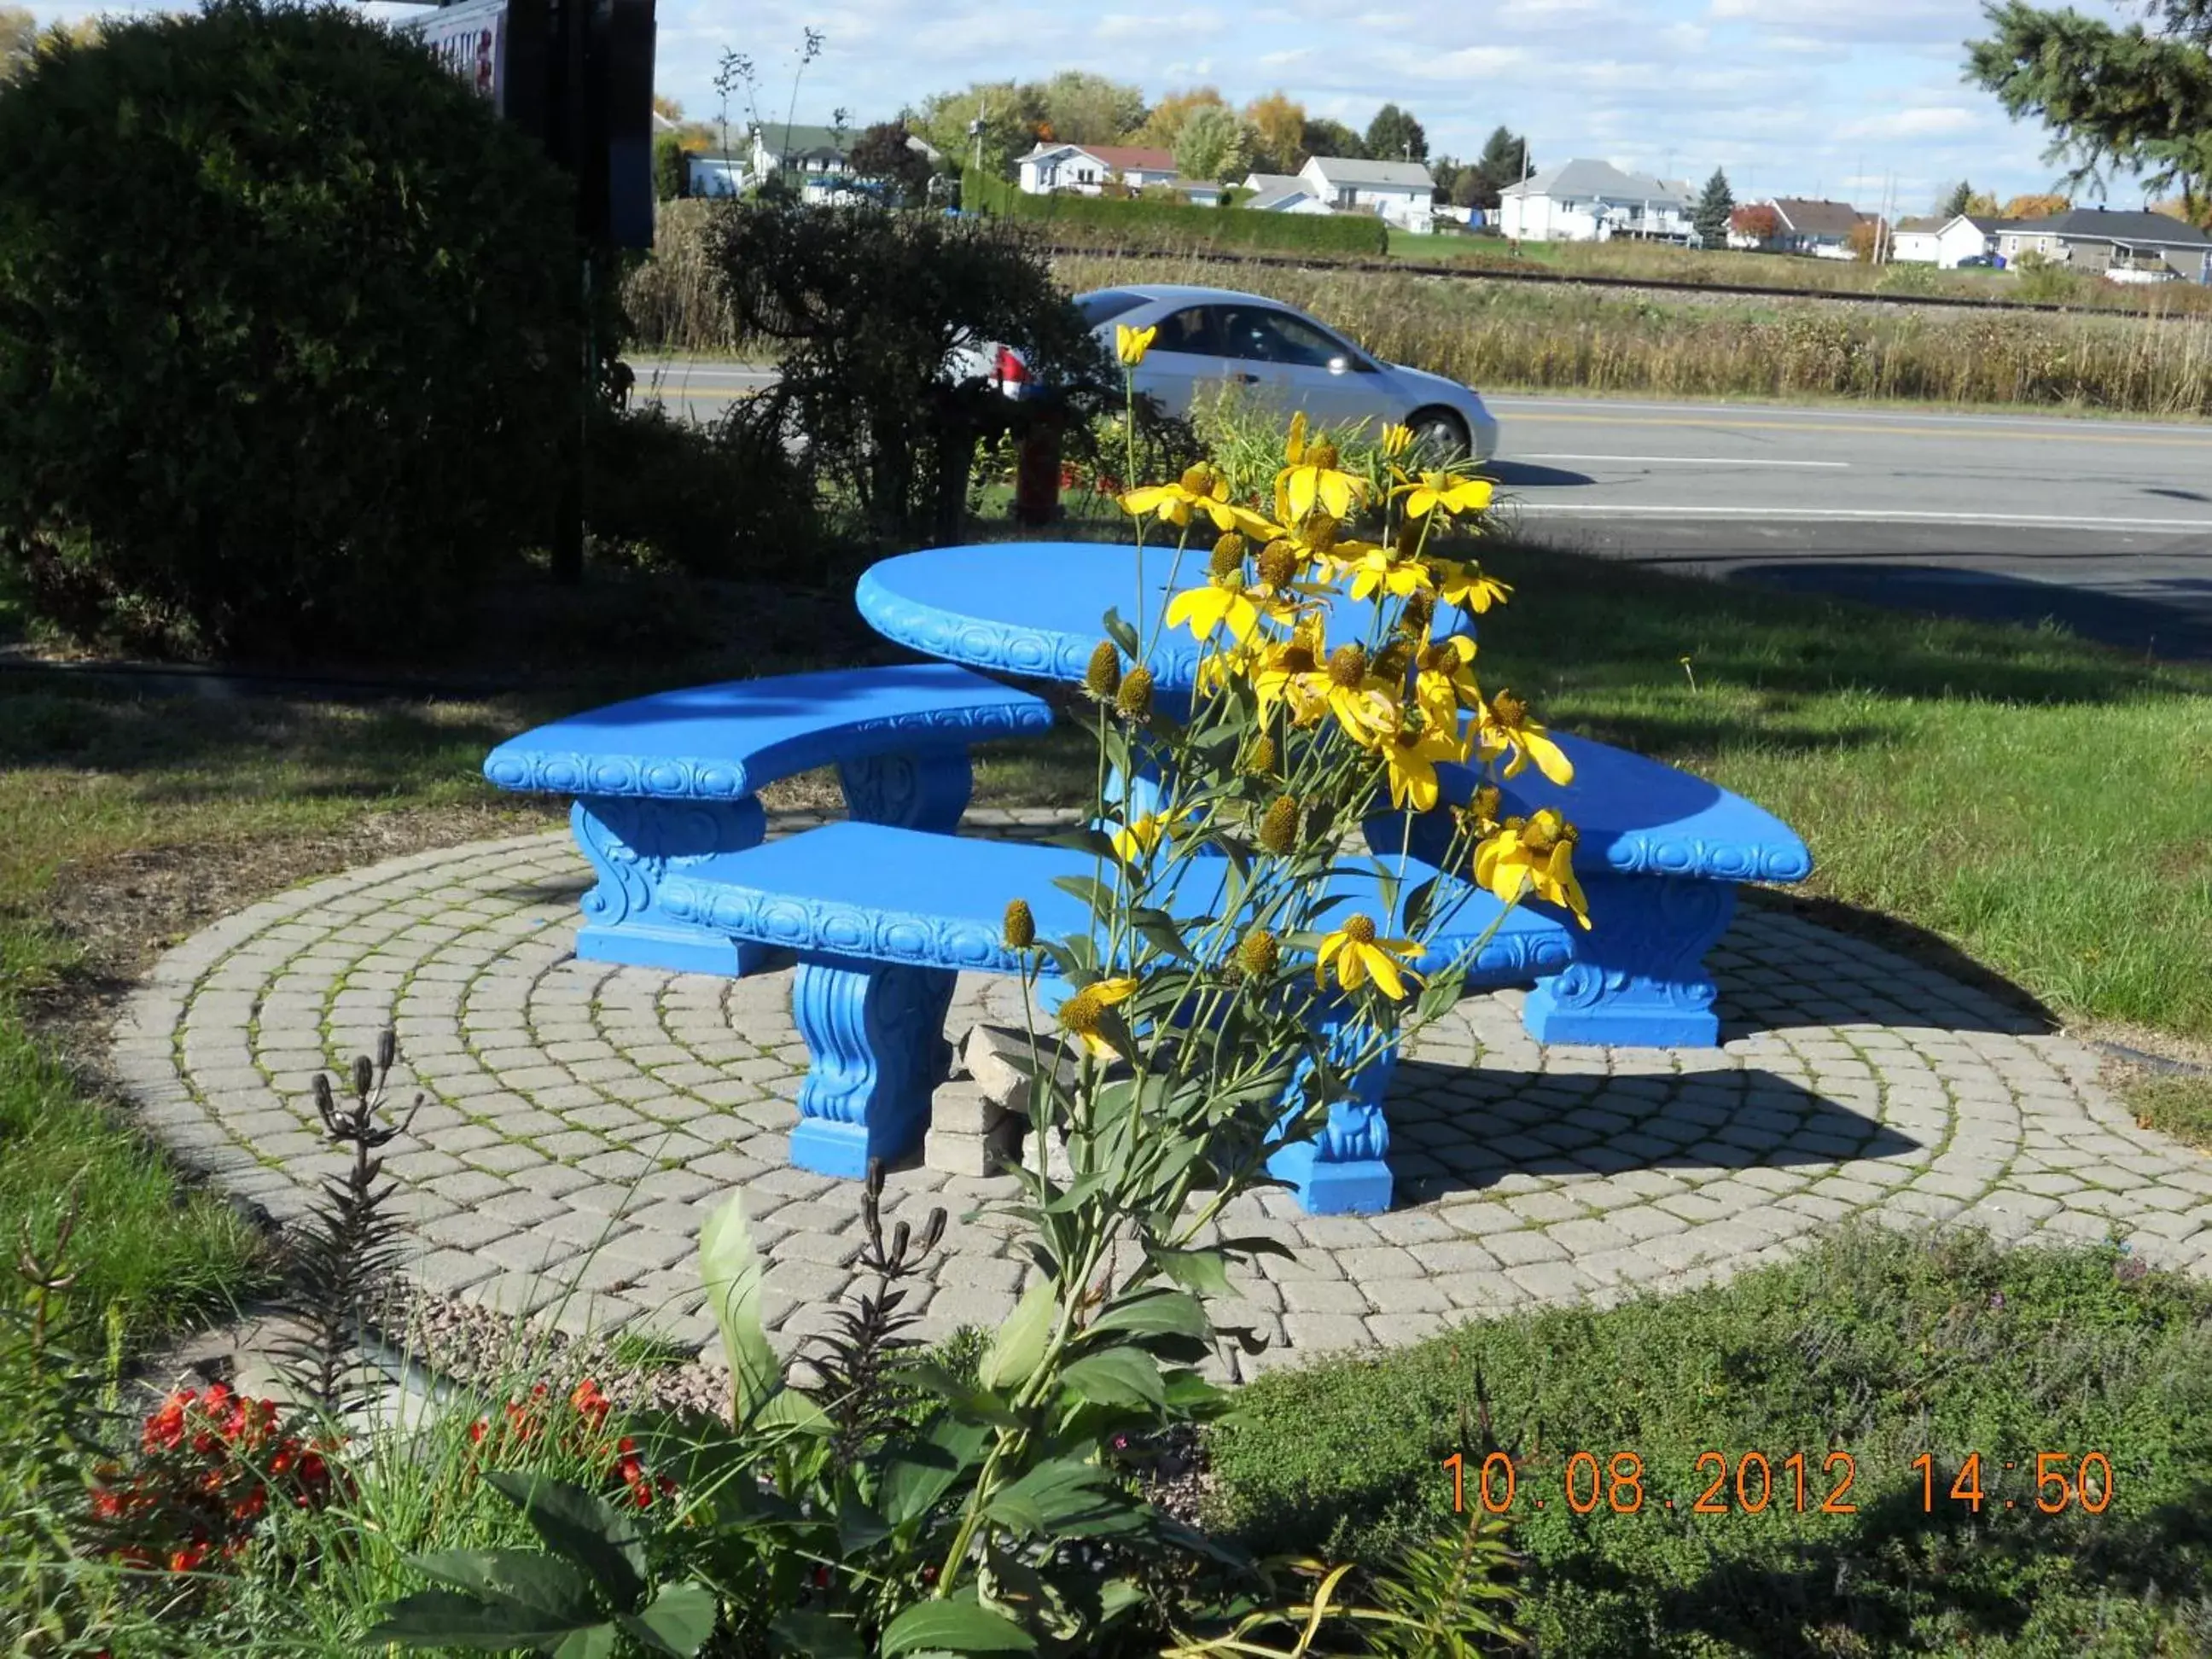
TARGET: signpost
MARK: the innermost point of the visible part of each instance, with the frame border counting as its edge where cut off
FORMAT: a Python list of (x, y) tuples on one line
[(577, 76)]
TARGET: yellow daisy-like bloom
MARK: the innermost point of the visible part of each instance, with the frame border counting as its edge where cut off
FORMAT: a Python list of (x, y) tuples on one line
[(1311, 478), (1411, 757), (1444, 491), (1444, 683), (1130, 344), (1357, 955), (1222, 601), (1292, 675), (1378, 571), (1201, 489), (1464, 585), (1364, 704), (1137, 839), (1396, 439), (1505, 724), (1080, 1014), (1223, 666), (1536, 856)]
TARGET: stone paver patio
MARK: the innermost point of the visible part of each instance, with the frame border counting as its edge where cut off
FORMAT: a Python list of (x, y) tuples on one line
[(584, 1119)]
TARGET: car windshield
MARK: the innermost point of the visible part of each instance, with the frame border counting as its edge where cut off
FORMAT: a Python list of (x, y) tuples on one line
[(1106, 305)]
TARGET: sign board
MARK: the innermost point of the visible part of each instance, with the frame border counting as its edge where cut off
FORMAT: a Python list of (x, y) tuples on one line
[(470, 39)]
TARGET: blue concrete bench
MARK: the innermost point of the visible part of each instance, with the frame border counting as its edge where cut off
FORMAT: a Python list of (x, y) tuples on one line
[(665, 781), (1661, 855), (881, 919)]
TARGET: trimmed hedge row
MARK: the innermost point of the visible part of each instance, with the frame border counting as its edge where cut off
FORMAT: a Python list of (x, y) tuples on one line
[(1173, 225)]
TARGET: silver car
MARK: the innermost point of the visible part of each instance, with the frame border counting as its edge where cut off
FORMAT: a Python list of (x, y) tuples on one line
[(1209, 338)]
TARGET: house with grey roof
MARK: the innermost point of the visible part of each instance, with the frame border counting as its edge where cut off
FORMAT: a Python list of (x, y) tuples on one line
[(1283, 192), (1942, 242), (2128, 247), (1587, 201), (1403, 193)]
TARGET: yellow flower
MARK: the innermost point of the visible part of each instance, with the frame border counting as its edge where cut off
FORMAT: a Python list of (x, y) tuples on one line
[(1378, 571), (1137, 839), (1218, 667), (1291, 674), (1536, 855), (1445, 490), (1130, 344), (1445, 681), (1201, 489), (1222, 600), (1364, 704), (1505, 724), (1411, 757), (1081, 1013), (1311, 477), (1466, 585), (1358, 956), (1396, 439)]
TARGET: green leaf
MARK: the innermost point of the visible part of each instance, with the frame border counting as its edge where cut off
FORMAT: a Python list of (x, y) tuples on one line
[(962, 1399), (1157, 929), (1071, 1498), (817, 1635), (1119, 1377), (731, 1269), (918, 1474), (1084, 839), (1205, 1271), (955, 1627), (677, 1622), (1156, 1313), (1020, 1343), (1092, 891), (521, 1578), (597, 1643), (1123, 634), (583, 1528), (447, 1619)]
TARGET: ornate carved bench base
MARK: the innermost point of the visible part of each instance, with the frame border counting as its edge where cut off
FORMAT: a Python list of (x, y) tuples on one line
[(875, 1034), (1638, 979), (1342, 1170)]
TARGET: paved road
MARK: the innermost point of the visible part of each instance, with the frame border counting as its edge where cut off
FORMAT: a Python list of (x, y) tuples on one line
[(2105, 525)]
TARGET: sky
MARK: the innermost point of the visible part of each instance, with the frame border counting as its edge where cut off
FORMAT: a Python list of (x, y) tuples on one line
[(1854, 99)]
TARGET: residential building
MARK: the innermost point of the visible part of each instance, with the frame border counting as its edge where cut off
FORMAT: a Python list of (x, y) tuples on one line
[(719, 172), (2128, 247), (1942, 242), (1587, 201), (1403, 193), (1283, 192), (816, 159), (1087, 169), (1802, 225)]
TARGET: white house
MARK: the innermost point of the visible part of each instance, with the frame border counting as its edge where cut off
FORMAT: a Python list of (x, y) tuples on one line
[(1283, 192), (1087, 169), (1822, 228), (1586, 201), (1403, 193), (718, 172), (1942, 242)]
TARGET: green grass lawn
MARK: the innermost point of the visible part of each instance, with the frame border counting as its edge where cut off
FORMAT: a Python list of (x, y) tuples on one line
[(1880, 1347)]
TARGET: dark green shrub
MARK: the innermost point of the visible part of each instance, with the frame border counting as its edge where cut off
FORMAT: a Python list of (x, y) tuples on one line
[(672, 168), (719, 498), (288, 332), (1177, 225)]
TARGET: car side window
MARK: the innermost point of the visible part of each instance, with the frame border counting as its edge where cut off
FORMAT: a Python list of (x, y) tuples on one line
[(1190, 331), (1294, 341)]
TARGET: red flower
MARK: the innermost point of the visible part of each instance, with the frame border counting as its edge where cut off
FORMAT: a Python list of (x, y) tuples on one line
[(188, 1558)]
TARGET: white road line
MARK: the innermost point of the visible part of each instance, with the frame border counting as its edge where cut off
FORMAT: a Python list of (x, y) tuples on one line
[(1872, 417), (1677, 460), (1868, 515)]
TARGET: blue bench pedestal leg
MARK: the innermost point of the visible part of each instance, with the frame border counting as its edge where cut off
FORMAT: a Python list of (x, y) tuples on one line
[(1342, 1170), (632, 845), (875, 1039), (924, 789), (1638, 978)]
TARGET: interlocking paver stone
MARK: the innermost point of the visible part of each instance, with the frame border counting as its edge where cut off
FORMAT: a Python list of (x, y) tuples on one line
[(1852, 1082)]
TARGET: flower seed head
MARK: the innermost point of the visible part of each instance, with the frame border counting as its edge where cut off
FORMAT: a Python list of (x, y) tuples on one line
[(1260, 757), (1347, 666), (1415, 621), (1279, 827), (1322, 456), (1259, 954), (1228, 555), (1020, 926), (1081, 1012), (1136, 698), (1278, 563), (1488, 799), (1392, 661), (1360, 930), (1199, 479), (1103, 678), (1320, 531), (1508, 710)]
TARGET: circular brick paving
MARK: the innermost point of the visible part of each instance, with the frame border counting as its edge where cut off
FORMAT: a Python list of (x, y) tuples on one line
[(583, 1119)]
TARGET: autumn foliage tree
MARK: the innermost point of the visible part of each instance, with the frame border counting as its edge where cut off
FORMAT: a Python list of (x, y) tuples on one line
[(1756, 222), (1279, 127), (2043, 205), (1165, 123)]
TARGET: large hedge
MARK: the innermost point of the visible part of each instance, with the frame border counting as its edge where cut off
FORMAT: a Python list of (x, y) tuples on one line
[(288, 332), (1174, 225)]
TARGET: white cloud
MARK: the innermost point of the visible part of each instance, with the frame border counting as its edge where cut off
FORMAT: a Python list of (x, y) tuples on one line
[(1926, 121)]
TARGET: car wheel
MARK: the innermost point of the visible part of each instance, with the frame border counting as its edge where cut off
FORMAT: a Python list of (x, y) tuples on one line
[(1441, 433)]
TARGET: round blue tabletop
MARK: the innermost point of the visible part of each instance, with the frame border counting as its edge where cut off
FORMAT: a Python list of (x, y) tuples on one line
[(1037, 608)]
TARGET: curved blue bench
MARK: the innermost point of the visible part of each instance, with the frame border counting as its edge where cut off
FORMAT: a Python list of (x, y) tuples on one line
[(665, 782), (1661, 854), (881, 920)]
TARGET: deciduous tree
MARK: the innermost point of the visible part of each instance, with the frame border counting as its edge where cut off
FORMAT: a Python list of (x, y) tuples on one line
[(1213, 144), (1711, 216), (1010, 115), (882, 156), (1165, 123), (1084, 108), (2125, 100), (1982, 205), (19, 38), (1505, 161), (1395, 136), (1757, 221), (1327, 137), (2035, 206), (1279, 123)]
